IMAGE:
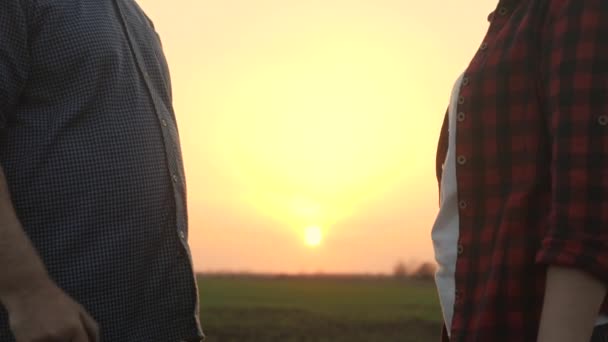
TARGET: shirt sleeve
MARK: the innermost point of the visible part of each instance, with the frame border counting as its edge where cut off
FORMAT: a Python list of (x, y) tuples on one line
[(575, 94), (14, 56)]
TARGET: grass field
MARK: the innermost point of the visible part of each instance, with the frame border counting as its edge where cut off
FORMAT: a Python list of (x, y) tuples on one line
[(318, 309)]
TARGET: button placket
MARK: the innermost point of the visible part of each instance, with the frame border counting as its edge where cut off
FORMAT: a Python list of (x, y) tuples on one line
[(465, 82)]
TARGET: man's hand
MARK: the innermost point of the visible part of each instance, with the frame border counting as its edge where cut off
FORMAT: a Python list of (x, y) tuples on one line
[(38, 310), (44, 313)]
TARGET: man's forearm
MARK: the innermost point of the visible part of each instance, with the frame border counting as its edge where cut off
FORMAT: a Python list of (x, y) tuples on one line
[(20, 265), (572, 302)]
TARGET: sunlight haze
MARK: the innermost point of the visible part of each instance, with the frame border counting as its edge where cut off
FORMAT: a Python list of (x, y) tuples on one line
[(300, 114)]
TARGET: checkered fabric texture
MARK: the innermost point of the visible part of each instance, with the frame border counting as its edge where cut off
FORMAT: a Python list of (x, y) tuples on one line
[(532, 163), (90, 148)]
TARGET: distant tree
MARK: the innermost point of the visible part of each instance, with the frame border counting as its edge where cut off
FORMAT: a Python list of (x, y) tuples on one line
[(400, 270), (425, 271)]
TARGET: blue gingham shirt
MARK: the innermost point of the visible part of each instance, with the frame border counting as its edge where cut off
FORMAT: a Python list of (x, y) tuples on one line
[(90, 148)]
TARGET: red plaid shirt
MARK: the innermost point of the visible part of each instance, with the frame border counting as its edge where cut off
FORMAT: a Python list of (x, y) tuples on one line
[(532, 163)]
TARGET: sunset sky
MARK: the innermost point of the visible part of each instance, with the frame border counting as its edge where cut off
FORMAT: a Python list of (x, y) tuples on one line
[(309, 128)]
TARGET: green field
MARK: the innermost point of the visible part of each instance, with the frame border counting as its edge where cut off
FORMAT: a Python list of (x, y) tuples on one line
[(318, 309)]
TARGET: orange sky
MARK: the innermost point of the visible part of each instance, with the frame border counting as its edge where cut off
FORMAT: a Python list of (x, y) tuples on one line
[(313, 113)]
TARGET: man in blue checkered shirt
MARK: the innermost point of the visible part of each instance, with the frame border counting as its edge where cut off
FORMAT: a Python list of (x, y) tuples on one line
[(93, 223)]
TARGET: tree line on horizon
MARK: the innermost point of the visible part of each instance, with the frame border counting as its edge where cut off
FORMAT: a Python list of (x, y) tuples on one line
[(425, 270)]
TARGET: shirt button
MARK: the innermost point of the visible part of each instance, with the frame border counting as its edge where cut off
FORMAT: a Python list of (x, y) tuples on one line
[(603, 120), (457, 296), (175, 179), (460, 249), (182, 235), (503, 11), (164, 122), (461, 100), (484, 46), (463, 204), (461, 160), (461, 116), (465, 81)]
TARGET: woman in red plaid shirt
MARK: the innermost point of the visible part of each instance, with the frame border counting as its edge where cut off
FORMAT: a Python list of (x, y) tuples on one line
[(521, 238)]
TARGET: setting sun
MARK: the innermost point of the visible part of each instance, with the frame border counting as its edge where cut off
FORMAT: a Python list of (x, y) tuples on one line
[(313, 236)]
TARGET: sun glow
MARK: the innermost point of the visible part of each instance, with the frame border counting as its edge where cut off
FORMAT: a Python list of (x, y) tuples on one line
[(320, 128), (313, 236), (294, 114)]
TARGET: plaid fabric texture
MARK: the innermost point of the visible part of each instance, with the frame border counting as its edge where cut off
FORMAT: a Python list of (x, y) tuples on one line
[(90, 148), (532, 163)]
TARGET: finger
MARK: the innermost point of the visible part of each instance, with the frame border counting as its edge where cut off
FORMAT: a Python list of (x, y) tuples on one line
[(90, 326), (80, 335), (66, 334)]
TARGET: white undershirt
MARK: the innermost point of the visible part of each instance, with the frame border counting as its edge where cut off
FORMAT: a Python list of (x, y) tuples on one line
[(445, 231)]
